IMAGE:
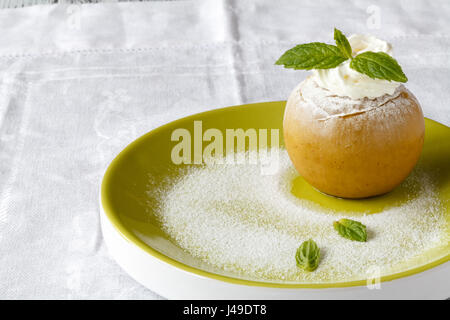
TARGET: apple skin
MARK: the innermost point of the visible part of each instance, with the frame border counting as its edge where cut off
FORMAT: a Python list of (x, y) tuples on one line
[(359, 155)]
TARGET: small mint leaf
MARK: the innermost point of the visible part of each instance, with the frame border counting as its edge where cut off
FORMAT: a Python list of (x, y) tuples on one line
[(342, 43), (378, 65), (315, 55), (351, 229), (308, 255)]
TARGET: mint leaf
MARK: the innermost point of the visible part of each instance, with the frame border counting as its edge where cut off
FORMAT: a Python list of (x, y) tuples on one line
[(318, 55), (308, 255), (351, 229), (315, 55), (342, 43), (378, 65)]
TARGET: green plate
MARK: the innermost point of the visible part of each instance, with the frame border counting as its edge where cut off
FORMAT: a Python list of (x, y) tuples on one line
[(127, 204)]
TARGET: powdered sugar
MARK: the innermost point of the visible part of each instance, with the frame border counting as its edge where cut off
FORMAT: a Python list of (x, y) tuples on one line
[(325, 105), (236, 219)]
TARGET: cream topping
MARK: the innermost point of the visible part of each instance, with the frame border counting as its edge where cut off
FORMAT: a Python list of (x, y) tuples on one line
[(346, 82)]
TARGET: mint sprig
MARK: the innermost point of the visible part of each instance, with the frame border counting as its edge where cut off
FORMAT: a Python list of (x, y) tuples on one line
[(317, 55)]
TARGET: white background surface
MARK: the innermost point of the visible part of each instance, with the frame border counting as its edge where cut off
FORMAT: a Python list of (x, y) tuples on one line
[(79, 82)]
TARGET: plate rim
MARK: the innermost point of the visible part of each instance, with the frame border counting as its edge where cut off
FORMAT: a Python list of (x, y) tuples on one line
[(129, 236)]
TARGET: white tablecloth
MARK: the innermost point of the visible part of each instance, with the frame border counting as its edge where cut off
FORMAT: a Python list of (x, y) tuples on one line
[(79, 82)]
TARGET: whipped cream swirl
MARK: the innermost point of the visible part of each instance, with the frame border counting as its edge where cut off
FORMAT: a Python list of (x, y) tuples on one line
[(346, 82)]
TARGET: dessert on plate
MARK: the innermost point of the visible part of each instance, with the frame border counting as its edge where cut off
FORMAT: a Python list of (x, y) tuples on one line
[(351, 128)]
